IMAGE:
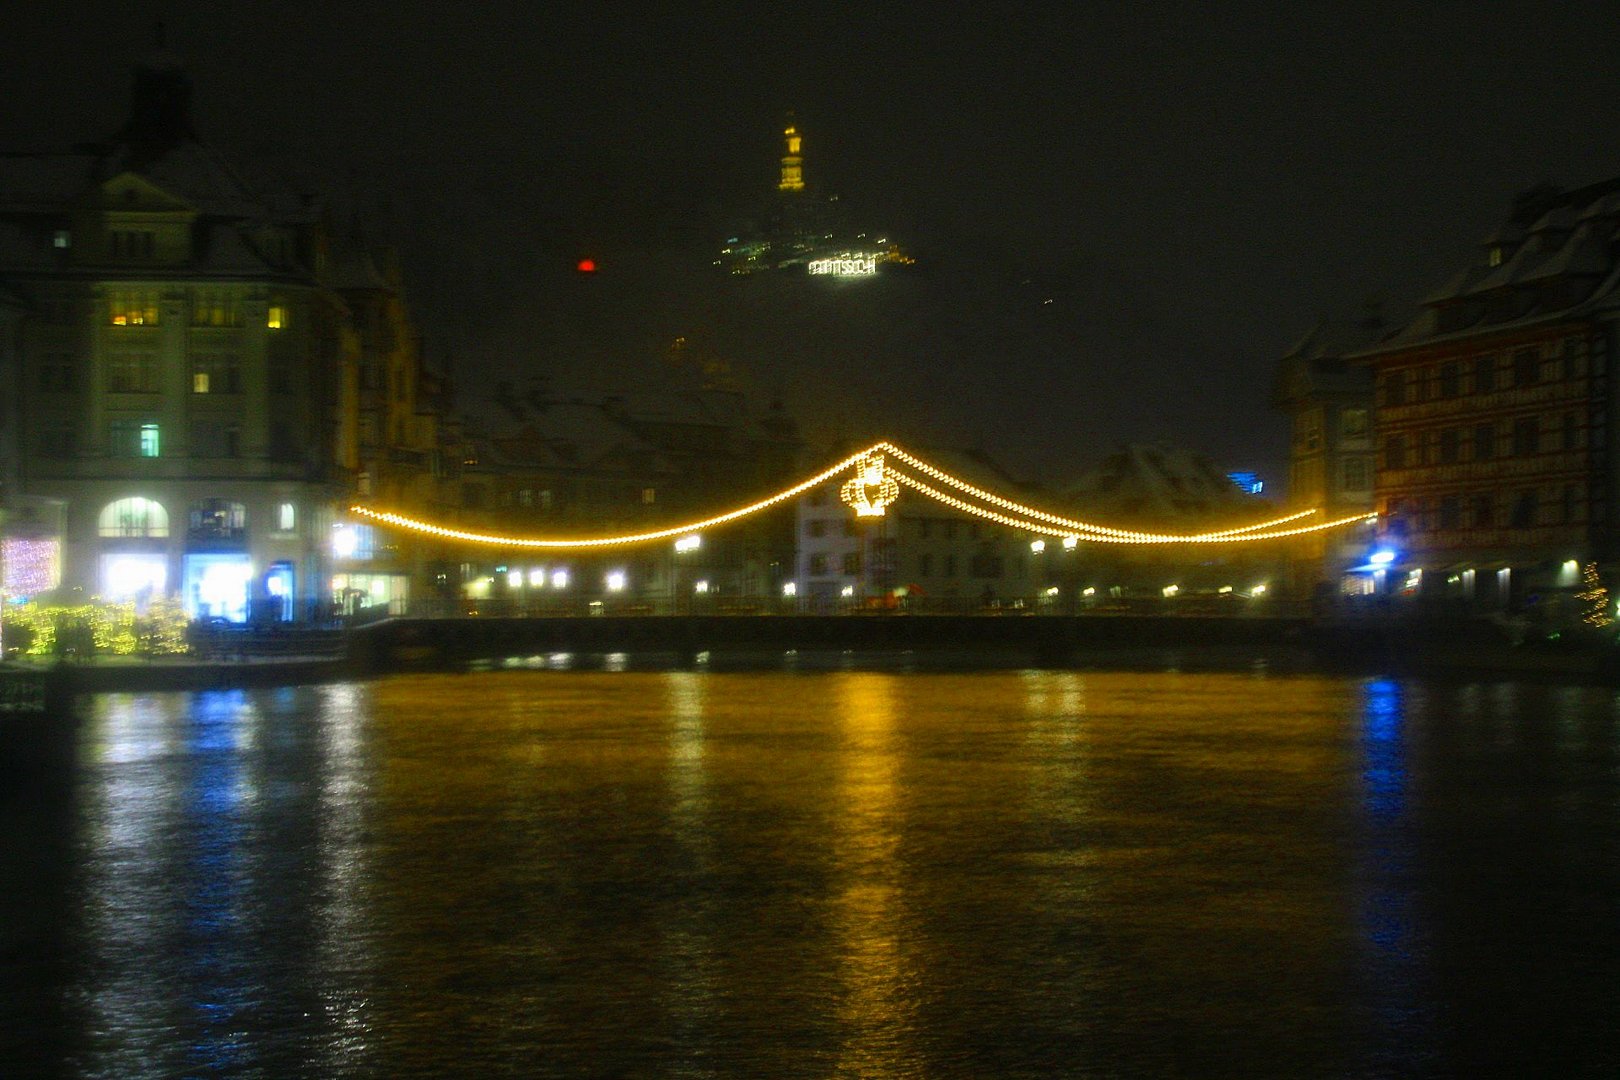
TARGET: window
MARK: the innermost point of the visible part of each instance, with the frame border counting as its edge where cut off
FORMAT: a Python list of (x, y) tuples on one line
[(1526, 367), (132, 373), (922, 528), (276, 318), (216, 373), (149, 442), (58, 373), (1354, 474), (128, 438), (852, 562), (282, 447), (815, 527), (134, 517), (925, 564), (1484, 374), (1524, 510), (57, 439), (217, 519), (286, 517), (1450, 512), (62, 239), (1526, 436), (1569, 505), (133, 307), (1484, 511), (1450, 440), (1352, 423), (818, 563), (649, 496), (215, 307), (1395, 388), (1571, 435), (1484, 442), (212, 439), (986, 565), (1450, 379), (950, 566), (1494, 257), (130, 244), (1395, 452)]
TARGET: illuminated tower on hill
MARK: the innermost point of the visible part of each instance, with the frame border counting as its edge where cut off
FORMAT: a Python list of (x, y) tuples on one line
[(792, 163)]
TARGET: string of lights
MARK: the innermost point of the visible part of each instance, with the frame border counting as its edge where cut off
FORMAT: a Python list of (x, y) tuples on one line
[(1227, 537), (874, 486), (1079, 527)]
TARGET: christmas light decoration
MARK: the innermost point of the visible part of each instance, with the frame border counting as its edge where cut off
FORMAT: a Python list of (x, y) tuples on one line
[(1596, 597), (872, 490), (31, 566), (875, 485)]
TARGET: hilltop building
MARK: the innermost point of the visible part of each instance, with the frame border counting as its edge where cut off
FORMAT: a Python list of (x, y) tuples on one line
[(801, 229)]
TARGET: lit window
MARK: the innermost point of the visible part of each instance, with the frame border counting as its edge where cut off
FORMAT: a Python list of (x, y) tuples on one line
[(286, 517), (133, 307), (648, 496), (277, 317), (149, 440), (62, 239), (134, 517), (199, 382)]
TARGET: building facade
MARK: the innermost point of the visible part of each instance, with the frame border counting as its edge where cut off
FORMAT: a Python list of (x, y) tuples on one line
[(186, 378), (1495, 472)]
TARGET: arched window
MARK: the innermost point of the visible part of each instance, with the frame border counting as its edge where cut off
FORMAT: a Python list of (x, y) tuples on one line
[(134, 516)]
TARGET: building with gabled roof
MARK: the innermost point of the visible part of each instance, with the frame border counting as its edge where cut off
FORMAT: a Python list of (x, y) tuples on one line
[(188, 366), (1496, 470)]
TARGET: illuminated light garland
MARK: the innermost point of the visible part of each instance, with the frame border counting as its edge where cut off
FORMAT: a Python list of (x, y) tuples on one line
[(1226, 537), (1067, 523), (872, 471), (403, 522)]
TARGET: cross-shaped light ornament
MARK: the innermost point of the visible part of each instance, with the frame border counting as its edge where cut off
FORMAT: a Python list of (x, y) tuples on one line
[(872, 489)]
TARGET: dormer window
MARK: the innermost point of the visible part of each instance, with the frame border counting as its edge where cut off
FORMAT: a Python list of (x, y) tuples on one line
[(1494, 256), (130, 244)]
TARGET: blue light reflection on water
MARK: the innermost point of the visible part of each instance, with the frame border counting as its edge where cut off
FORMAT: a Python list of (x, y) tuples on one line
[(217, 723), (1387, 912)]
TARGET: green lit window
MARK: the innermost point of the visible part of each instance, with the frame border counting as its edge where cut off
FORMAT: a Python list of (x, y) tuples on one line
[(149, 440)]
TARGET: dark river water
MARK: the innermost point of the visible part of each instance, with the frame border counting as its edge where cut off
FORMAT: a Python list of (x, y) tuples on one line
[(820, 874)]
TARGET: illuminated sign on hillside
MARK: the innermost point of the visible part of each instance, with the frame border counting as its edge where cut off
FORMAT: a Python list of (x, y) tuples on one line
[(854, 265)]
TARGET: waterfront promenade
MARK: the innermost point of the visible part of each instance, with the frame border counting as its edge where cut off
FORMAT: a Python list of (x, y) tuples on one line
[(242, 658)]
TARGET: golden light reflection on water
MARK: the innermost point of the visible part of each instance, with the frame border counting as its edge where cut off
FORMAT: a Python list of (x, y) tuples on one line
[(879, 999), (841, 873)]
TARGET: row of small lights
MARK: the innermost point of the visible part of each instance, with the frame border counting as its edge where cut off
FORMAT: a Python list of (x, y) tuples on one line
[(1020, 516)]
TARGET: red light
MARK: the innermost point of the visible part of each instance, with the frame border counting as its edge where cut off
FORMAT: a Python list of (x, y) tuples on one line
[(586, 266)]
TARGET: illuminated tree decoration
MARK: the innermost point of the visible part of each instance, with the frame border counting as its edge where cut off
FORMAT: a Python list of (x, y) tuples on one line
[(872, 489), (1596, 598)]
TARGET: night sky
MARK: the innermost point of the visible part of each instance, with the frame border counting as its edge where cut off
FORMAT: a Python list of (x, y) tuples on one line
[(1123, 215)]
